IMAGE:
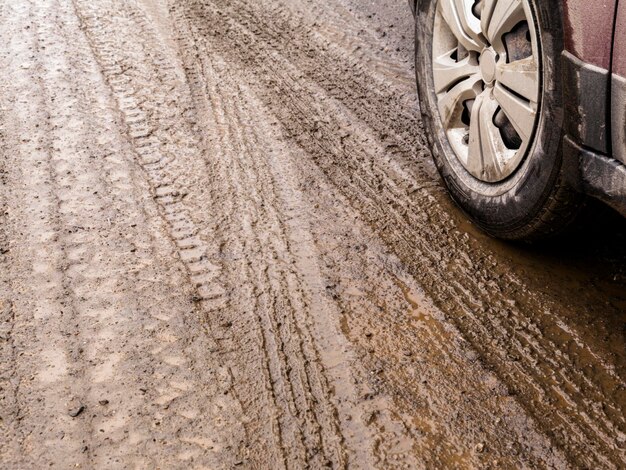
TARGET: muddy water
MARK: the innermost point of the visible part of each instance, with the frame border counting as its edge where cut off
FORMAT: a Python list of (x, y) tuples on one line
[(224, 244)]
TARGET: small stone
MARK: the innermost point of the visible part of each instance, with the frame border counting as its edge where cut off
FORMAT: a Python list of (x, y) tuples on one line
[(480, 447), (407, 353), (104, 402), (74, 412)]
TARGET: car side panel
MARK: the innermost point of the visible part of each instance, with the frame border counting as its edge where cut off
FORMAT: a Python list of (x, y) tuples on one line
[(604, 175), (619, 56), (618, 86), (588, 30)]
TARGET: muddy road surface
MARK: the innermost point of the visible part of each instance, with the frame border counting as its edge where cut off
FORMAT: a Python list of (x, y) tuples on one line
[(223, 244)]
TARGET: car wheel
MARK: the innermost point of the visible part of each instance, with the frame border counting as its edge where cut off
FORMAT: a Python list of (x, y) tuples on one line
[(491, 99)]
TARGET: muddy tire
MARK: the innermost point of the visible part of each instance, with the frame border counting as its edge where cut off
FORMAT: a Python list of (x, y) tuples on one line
[(535, 200)]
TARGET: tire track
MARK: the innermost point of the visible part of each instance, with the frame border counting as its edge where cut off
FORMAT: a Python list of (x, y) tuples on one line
[(10, 411), (274, 224), (203, 431), (266, 47), (295, 378), (390, 447), (100, 319)]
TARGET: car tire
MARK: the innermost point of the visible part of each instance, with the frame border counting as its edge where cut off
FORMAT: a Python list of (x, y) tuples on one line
[(539, 199)]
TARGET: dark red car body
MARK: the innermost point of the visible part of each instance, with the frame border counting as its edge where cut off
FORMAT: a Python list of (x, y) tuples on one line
[(594, 84)]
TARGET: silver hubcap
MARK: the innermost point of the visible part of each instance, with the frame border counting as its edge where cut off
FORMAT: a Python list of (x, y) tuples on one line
[(486, 72)]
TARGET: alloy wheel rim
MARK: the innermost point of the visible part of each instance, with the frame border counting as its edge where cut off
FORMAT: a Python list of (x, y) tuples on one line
[(487, 70)]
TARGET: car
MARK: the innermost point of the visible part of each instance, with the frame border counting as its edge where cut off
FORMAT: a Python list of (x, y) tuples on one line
[(524, 106)]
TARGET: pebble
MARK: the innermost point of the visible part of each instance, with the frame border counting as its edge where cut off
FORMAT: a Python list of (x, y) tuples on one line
[(74, 412)]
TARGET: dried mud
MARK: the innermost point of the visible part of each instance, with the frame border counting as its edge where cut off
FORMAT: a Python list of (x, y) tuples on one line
[(223, 244)]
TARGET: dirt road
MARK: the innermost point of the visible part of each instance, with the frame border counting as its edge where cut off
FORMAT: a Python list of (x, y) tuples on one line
[(223, 244)]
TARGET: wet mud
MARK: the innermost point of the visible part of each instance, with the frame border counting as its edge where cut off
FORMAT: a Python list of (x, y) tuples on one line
[(223, 244)]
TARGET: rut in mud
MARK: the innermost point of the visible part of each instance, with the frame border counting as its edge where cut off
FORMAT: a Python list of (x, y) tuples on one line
[(224, 245)]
